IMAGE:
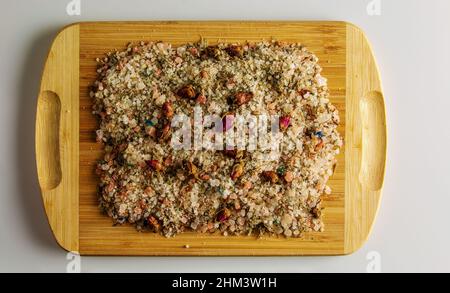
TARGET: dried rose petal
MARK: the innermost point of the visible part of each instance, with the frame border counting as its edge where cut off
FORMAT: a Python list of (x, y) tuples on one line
[(270, 176), (151, 131), (238, 170), (235, 51), (303, 92), (223, 215), (242, 98), (193, 51), (201, 99), (148, 191), (204, 74), (205, 176), (319, 145), (187, 92), (193, 170), (316, 212), (153, 223), (165, 132), (155, 165), (167, 109), (288, 176), (248, 185), (168, 161), (285, 121), (212, 51)]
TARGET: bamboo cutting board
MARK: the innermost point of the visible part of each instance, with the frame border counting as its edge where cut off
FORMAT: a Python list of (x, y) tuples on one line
[(66, 151)]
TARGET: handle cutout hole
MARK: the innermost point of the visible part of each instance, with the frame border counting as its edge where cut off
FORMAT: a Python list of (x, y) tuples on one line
[(47, 140), (373, 121)]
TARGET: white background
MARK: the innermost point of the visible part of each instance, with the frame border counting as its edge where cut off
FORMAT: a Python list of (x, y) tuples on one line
[(411, 41)]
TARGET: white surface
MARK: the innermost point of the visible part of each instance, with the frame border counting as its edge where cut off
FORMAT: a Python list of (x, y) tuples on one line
[(411, 40)]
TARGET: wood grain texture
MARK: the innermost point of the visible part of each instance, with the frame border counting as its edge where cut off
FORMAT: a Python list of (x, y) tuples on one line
[(346, 220), (57, 136), (98, 236)]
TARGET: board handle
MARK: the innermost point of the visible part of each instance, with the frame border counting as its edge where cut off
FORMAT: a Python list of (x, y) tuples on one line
[(374, 140), (47, 140), (57, 137)]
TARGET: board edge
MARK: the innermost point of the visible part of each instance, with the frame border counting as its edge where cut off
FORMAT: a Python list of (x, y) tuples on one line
[(61, 199), (363, 195)]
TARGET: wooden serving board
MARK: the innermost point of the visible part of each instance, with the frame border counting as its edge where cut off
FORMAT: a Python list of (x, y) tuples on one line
[(66, 150)]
